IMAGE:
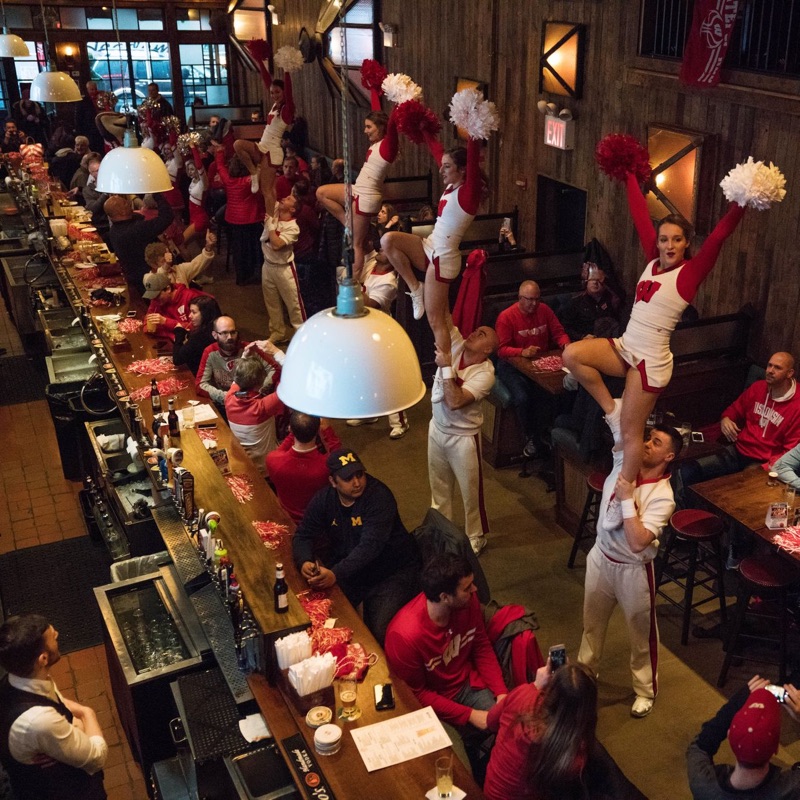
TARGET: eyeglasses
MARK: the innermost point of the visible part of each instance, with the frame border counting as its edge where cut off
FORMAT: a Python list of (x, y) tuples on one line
[(529, 299), (226, 333)]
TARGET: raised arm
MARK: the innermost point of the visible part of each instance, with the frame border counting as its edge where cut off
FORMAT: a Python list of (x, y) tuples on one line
[(641, 217), (287, 112), (391, 141), (435, 146), (469, 196)]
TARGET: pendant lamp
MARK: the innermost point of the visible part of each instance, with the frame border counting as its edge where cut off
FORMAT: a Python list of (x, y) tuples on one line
[(11, 46), (53, 86), (132, 170), (350, 362)]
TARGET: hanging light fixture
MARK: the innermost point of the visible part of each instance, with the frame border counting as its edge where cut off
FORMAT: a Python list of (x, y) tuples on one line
[(11, 46), (350, 362), (131, 169), (53, 86)]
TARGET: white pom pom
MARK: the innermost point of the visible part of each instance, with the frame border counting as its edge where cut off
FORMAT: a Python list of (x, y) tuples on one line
[(754, 184), (477, 116), (289, 58), (399, 88)]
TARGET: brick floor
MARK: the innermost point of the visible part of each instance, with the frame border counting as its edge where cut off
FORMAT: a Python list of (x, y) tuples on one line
[(42, 507)]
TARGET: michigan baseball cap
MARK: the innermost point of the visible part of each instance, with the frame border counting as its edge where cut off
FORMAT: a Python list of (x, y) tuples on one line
[(344, 463), (154, 284), (755, 731)]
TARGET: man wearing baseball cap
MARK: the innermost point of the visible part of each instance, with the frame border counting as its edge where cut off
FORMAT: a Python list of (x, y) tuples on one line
[(752, 721), (169, 304), (368, 552)]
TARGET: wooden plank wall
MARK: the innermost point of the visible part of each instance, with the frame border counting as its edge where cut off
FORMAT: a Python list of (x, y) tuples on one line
[(498, 41)]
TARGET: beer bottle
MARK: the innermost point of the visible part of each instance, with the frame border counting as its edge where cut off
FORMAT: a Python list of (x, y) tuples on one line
[(281, 590)]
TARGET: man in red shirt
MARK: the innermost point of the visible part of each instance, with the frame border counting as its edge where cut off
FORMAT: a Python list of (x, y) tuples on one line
[(528, 329), (297, 469), (438, 645), (169, 304), (289, 177)]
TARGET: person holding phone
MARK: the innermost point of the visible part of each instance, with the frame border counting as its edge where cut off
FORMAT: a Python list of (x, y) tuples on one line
[(619, 568)]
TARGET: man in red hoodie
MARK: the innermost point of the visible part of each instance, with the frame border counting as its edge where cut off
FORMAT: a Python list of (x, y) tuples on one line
[(169, 304), (528, 329)]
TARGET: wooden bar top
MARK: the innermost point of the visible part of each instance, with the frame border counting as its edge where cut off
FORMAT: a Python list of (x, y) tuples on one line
[(741, 496), (552, 381)]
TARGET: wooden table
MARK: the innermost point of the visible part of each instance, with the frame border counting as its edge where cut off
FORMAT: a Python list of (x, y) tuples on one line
[(743, 497), (255, 568), (552, 381)]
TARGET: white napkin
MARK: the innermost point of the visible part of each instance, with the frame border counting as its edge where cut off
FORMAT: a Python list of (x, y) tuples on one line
[(456, 794), (254, 727)]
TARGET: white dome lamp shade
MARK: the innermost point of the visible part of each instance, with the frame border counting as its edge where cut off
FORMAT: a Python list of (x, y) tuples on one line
[(54, 87), (11, 46), (351, 362), (132, 170)]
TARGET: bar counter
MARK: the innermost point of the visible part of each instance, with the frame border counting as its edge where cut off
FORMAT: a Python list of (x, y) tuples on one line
[(344, 773)]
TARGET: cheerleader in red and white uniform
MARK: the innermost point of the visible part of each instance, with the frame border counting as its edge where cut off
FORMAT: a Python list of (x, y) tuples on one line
[(642, 354), (368, 188), (266, 157), (439, 255), (198, 189), (174, 164)]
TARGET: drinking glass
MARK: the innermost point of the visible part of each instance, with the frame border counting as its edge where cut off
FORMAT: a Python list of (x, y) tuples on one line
[(188, 416), (444, 776), (348, 696), (789, 495)]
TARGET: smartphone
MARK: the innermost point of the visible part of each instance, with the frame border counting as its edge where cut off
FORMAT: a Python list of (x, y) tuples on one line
[(697, 436), (384, 696), (778, 691), (507, 222), (558, 656)]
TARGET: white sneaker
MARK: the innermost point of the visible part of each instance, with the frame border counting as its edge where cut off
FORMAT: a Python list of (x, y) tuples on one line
[(254, 186), (418, 301), (613, 517), (478, 544), (354, 423), (613, 421), (398, 431), (642, 706)]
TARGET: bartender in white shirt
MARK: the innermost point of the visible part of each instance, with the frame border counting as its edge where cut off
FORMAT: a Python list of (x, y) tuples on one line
[(52, 748)]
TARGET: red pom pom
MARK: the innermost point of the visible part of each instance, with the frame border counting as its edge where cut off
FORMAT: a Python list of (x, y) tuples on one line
[(619, 155), (372, 74), (259, 49), (415, 120)]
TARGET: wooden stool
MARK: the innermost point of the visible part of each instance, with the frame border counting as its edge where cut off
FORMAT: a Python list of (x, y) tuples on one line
[(769, 577), (587, 527), (703, 562)]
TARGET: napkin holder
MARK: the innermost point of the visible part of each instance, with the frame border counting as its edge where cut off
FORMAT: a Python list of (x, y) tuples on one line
[(303, 704)]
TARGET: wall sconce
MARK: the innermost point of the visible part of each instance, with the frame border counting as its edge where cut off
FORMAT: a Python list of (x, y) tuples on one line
[(675, 160), (272, 10), (561, 64), (389, 34)]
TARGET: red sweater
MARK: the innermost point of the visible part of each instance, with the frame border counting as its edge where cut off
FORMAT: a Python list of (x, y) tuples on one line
[(516, 330), (436, 662), (176, 310), (297, 477), (770, 427), (244, 207)]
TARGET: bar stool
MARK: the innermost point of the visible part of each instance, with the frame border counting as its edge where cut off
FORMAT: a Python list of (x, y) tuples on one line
[(587, 527), (703, 563), (769, 577)]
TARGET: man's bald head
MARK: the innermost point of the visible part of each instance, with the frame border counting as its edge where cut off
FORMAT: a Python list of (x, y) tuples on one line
[(780, 373), (118, 208), (528, 296)]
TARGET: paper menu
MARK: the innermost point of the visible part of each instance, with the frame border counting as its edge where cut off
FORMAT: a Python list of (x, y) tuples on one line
[(400, 739)]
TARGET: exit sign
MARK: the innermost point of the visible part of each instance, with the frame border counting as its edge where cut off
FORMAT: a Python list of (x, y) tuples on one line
[(559, 133)]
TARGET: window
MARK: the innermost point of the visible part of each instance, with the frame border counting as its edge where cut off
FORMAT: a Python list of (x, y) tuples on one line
[(359, 31), (765, 37), (28, 68), (204, 74), (118, 67), (192, 19)]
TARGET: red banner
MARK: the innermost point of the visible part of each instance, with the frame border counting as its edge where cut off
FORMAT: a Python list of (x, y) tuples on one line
[(712, 23)]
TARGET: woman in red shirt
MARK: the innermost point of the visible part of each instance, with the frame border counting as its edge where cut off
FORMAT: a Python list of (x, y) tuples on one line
[(545, 734), (244, 214)]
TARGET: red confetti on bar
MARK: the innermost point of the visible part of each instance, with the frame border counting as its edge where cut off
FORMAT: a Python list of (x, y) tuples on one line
[(241, 486), (548, 363), (151, 366), (129, 325), (789, 540), (270, 533), (168, 386), (207, 434)]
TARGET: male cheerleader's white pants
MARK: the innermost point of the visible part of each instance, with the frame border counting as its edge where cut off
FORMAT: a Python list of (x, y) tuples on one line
[(457, 460), (281, 284), (632, 586)]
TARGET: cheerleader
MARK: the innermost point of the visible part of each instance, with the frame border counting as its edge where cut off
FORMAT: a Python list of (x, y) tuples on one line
[(198, 189)]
